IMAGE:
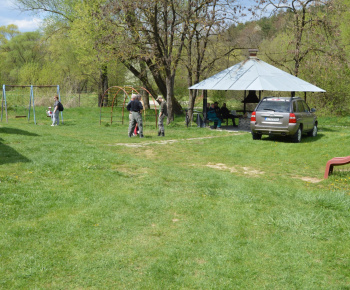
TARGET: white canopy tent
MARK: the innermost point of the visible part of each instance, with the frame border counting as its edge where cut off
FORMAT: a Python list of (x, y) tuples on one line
[(253, 75)]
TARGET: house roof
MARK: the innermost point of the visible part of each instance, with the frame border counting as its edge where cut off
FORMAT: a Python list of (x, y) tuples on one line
[(256, 75)]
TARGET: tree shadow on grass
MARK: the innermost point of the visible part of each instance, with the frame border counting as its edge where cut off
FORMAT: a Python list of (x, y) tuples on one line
[(8, 154), (15, 131), (323, 129)]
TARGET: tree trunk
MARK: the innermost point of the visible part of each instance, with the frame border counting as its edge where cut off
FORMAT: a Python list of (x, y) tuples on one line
[(170, 97), (145, 98), (103, 86), (191, 101), (143, 74)]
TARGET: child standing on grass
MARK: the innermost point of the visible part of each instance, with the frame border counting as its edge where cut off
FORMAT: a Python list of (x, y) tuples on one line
[(55, 119)]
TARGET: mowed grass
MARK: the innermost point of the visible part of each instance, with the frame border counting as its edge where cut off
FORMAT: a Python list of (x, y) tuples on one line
[(84, 206)]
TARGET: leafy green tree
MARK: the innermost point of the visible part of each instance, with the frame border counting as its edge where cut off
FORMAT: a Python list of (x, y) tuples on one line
[(60, 16), (24, 53), (7, 32)]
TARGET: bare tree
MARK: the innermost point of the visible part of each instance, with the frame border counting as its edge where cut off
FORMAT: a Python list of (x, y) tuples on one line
[(207, 41), (309, 24), (155, 32)]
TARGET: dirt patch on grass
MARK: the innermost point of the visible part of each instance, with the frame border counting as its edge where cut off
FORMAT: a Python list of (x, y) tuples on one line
[(166, 142), (245, 170), (221, 166), (254, 172), (251, 171), (308, 179), (147, 153)]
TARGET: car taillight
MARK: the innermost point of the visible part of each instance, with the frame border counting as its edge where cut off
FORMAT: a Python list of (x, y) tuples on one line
[(292, 118), (253, 117)]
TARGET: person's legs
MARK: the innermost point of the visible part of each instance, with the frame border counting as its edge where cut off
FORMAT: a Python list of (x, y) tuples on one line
[(219, 122), (132, 124), (55, 119), (233, 119), (138, 118), (161, 125)]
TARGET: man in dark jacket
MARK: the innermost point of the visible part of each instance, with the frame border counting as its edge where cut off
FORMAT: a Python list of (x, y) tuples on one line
[(225, 113), (135, 108)]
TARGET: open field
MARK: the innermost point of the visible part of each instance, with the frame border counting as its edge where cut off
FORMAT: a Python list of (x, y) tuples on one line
[(84, 206)]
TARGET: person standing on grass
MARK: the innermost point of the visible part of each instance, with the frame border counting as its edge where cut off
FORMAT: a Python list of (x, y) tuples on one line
[(135, 108), (133, 96), (55, 113), (163, 113)]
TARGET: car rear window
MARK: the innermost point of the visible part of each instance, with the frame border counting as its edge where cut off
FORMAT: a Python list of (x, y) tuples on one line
[(277, 105)]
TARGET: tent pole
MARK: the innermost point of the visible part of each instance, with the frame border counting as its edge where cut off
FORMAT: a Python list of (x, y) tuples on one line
[(205, 101), (305, 96), (245, 95)]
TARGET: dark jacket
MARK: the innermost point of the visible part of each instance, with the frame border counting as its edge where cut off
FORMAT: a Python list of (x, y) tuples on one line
[(134, 106), (225, 112), (218, 112)]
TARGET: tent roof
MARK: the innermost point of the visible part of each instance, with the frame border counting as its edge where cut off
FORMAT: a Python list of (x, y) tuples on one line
[(257, 75)]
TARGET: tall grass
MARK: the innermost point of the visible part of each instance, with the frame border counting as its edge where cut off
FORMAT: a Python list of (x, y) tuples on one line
[(84, 206)]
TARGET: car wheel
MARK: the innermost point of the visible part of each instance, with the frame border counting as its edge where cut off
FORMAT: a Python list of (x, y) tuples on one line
[(313, 133), (256, 136), (296, 138)]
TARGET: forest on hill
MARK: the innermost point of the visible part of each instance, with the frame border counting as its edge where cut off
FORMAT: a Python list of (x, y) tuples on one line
[(168, 45)]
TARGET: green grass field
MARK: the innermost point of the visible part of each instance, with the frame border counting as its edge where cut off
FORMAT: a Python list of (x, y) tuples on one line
[(84, 206)]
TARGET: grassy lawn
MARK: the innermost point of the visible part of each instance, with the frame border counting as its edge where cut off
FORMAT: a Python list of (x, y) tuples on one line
[(84, 206)]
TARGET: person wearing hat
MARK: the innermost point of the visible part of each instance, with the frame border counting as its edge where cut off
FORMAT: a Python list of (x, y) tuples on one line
[(135, 107), (163, 112)]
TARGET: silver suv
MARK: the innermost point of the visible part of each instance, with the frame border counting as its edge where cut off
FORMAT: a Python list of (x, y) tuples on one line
[(283, 116)]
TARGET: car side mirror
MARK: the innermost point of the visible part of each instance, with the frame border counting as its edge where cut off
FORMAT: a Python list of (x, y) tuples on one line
[(313, 110)]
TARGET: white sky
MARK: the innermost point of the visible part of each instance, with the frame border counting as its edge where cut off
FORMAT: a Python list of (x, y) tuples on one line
[(10, 15)]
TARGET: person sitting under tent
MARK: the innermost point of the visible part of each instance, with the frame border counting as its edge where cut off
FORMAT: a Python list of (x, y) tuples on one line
[(218, 111), (211, 116), (225, 112)]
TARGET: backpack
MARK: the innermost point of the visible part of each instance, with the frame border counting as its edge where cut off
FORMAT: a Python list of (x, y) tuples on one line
[(60, 107)]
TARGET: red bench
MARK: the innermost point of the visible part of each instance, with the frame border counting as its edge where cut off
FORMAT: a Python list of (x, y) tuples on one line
[(335, 162)]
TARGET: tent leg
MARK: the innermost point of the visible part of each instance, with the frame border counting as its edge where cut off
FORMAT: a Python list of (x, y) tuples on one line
[(245, 95), (205, 101)]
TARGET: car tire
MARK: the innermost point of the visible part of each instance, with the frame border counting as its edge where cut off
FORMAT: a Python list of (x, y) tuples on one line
[(256, 136), (296, 138), (313, 133)]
